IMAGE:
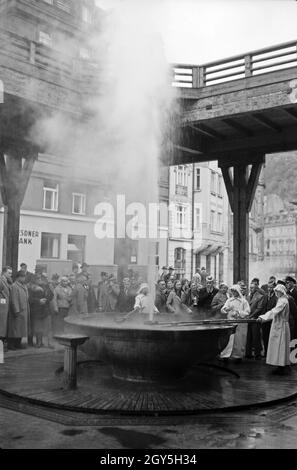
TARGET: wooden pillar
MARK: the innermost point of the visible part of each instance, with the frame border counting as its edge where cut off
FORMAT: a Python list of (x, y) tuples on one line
[(241, 187), (240, 225), (70, 359), (14, 178), (71, 342)]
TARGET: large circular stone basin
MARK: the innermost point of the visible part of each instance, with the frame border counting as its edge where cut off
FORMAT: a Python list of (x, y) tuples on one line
[(139, 352)]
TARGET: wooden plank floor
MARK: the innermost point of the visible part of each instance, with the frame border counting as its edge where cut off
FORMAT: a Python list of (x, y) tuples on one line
[(34, 378)]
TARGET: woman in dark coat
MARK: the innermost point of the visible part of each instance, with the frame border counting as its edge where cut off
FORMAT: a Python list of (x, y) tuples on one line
[(19, 312), (40, 296)]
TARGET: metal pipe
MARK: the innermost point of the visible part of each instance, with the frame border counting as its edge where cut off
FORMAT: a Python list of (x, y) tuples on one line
[(206, 322)]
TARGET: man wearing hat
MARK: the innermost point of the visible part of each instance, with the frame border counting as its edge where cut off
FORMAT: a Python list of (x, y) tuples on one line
[(206, 294), (272, 279), (84, 270), (291, 287), (163, 274), (257, 302), (102, 291), (28, 275), (19, 312)]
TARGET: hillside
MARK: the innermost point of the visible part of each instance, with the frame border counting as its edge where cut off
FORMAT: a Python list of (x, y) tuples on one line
[(280, 175)]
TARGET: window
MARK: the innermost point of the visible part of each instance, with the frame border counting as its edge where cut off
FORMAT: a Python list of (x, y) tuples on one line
[(198, 219), (212, 220), (78, 203), (213, 182), (281, 245), (220, 185), (179, 261), (86, 15), (50, 245), (181, 212), (181, 176), (198, 187), (76, 248), (220, 222), (50, 196), (45, 38)]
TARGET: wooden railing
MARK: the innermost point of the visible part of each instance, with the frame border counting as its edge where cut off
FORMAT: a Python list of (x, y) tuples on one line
[(253, 63)]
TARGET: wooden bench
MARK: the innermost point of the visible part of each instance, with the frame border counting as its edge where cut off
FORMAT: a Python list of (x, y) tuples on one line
[(71, 342)]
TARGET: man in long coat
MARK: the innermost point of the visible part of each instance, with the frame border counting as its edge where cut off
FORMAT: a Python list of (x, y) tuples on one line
[(79, 297), (291, 287), (126, 299), (5, 284), (19, 313), (257, 302), (206, 294), (271, 300)]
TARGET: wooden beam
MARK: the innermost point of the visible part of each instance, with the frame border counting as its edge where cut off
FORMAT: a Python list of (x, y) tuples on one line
[(252, 184), (188, 150), (269, 142), (211, 131), (200, 131), (3, 180), (206, 130), (238, 127), (267, 122), (15, 176), (291, 112), (226, 172)]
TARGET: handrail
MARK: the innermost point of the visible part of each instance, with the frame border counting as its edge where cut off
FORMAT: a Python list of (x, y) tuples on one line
[(236, 67), (283, 45)]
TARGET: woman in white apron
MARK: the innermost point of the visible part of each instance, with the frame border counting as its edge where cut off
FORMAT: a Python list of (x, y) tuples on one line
[(236, 307), (278, 352)]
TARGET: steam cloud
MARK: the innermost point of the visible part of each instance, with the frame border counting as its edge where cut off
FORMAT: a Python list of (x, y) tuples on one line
[(122, 135), (126, 108)]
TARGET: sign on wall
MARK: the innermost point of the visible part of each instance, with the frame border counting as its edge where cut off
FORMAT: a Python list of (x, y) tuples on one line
[(27, 237)]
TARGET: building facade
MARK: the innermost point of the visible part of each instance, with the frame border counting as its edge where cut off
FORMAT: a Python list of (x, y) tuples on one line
[(58, 224), (280, 243), (198, 226)]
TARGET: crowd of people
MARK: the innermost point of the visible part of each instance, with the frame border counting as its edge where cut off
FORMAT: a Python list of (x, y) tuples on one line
[(34, 307)]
